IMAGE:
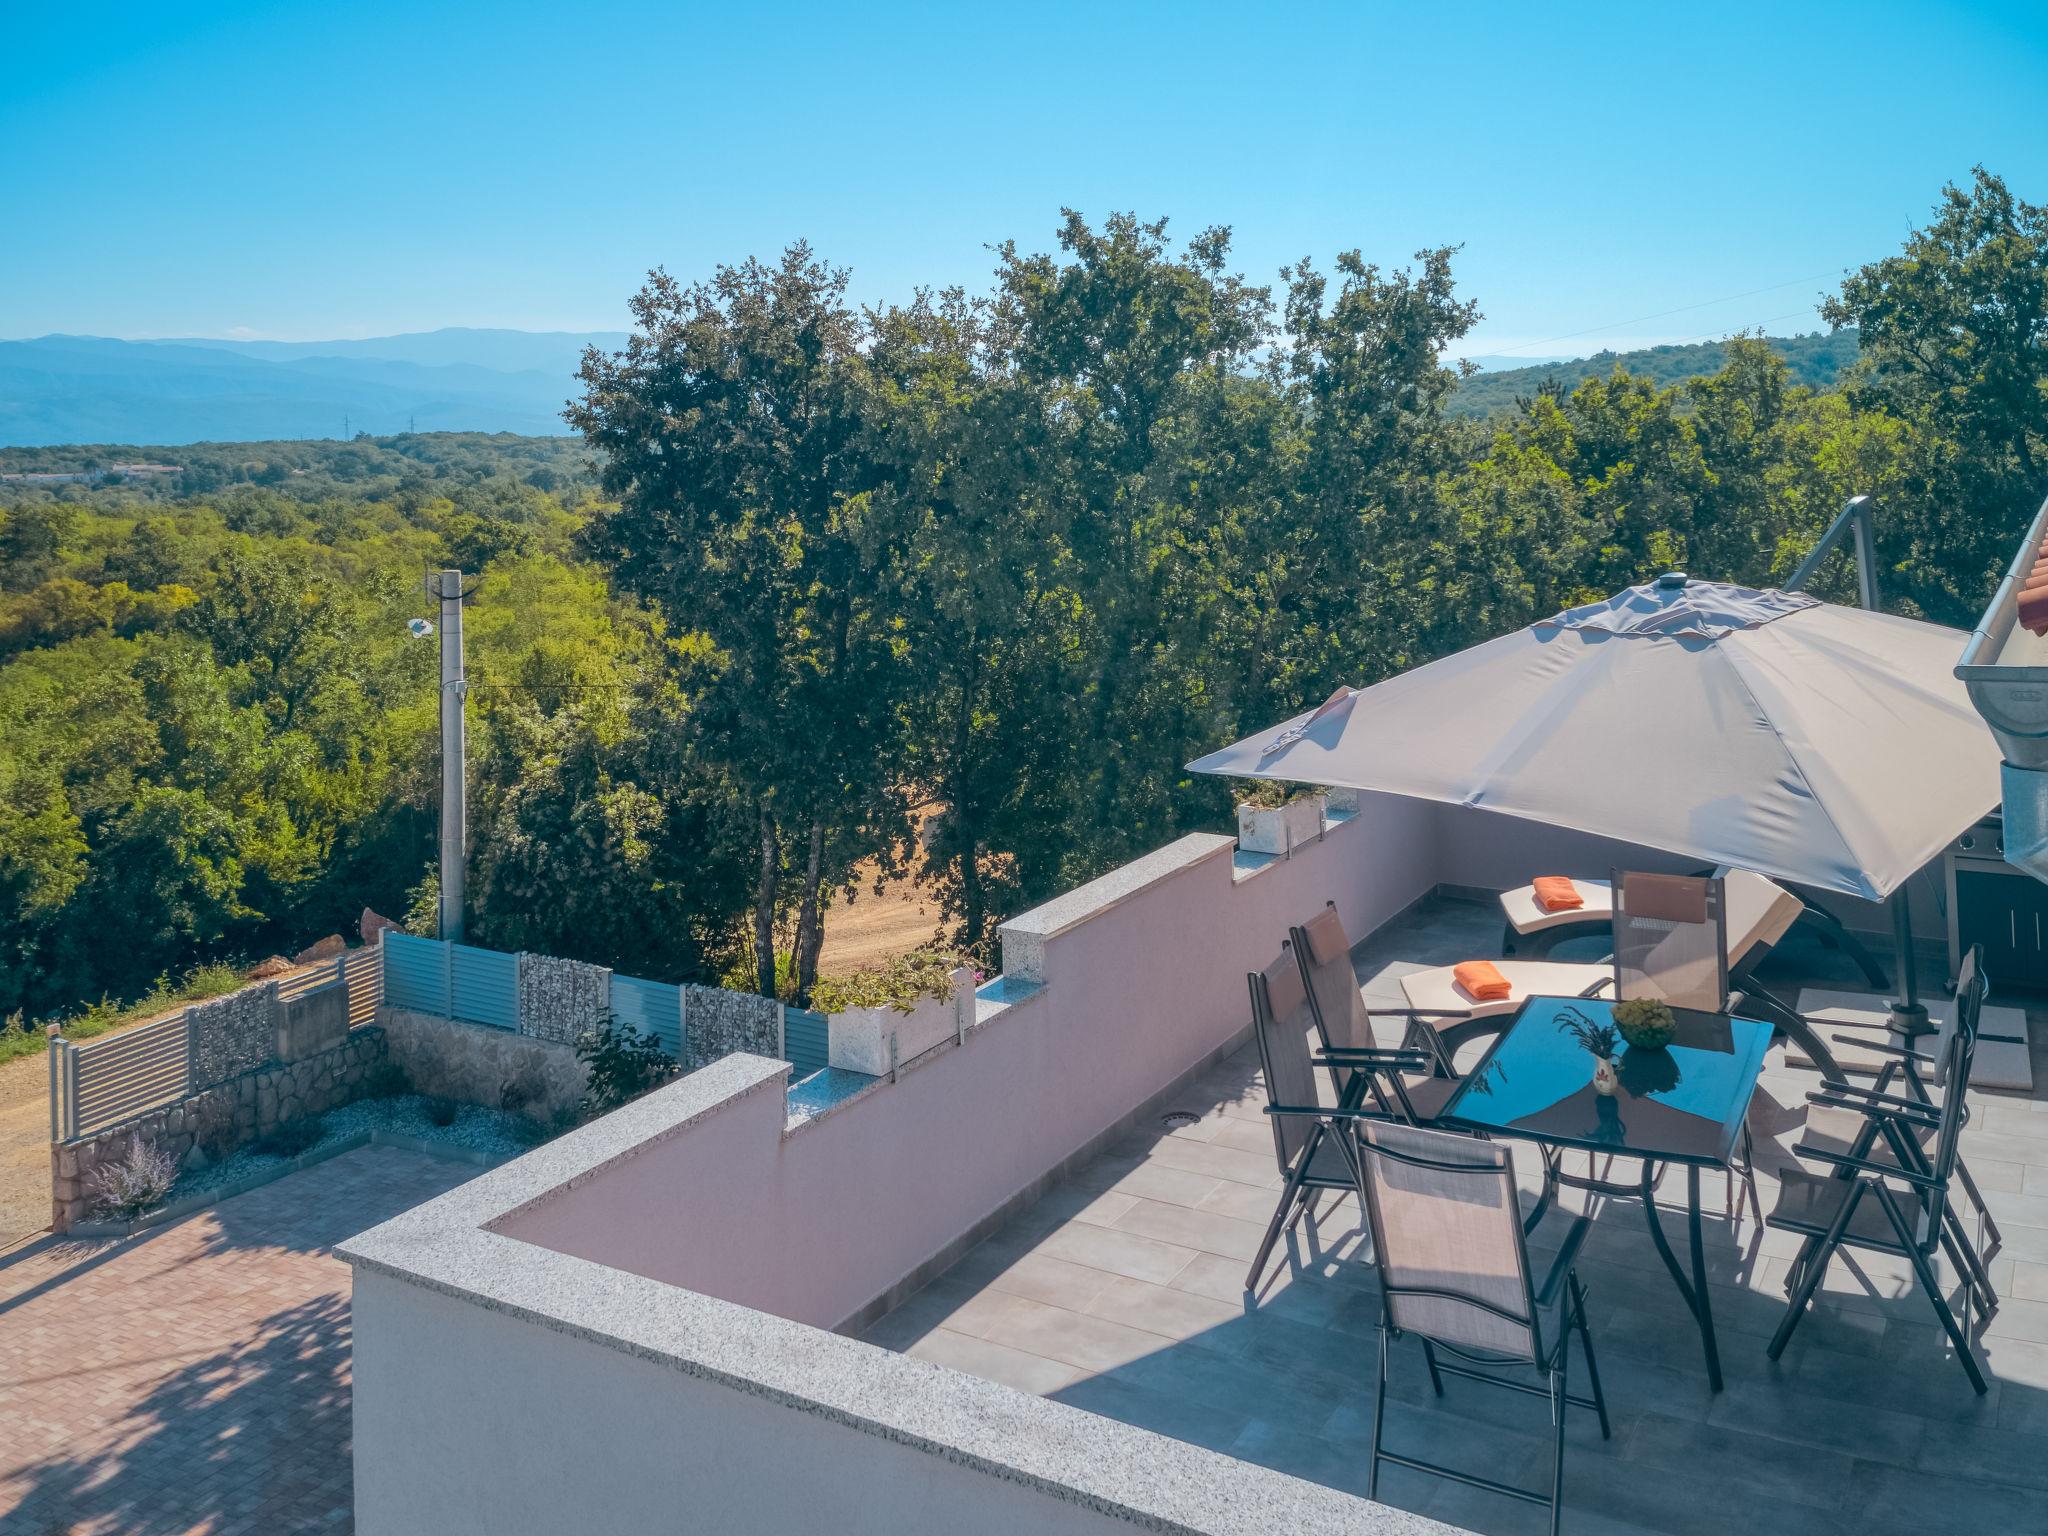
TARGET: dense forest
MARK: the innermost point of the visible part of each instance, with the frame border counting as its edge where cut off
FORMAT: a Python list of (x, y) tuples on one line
[(956, 585), (1817, 361)]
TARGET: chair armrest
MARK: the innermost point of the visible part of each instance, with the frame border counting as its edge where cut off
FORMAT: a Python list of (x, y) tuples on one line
[(1862, 1100), (1394, 1060), (1883, 1050), (1863, 1165), (1418, 1013), (1323, 1112), (1567, 1256), (1598, 987)]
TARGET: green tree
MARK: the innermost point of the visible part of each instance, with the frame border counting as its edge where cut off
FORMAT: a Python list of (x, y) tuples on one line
[(732, 435), (1955, 340), (32, 540)]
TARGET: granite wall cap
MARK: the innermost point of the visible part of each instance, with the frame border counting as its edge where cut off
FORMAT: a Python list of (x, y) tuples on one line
[(1075, 907)]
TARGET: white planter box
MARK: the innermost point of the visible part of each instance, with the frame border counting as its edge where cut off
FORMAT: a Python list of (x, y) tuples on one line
[(858, 1039), (1282, 828)]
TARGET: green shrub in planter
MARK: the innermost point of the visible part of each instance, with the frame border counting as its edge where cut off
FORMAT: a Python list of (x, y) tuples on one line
[(1645, 1023), (897, 985)]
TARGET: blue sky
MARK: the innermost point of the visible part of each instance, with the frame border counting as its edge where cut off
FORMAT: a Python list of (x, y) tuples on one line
[(306, 171)]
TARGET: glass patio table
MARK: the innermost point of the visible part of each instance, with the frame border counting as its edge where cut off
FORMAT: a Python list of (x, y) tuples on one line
[(1682, 1104)]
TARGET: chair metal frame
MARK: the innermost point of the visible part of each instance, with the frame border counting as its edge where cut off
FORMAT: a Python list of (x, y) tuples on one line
[(1356, 1072), (1303, 1186), (1903, 1068), (1932, 1224), (1560, 1287)]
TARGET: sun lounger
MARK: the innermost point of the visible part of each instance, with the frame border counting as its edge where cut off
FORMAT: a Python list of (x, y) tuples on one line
[(1530, 930), (1759, 913)]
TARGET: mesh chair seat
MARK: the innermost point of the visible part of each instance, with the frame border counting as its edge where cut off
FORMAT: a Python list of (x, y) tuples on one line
[(1671, 939), (1810, 1202), (1429, 1095), (1328, 1167), (1835, 1131)]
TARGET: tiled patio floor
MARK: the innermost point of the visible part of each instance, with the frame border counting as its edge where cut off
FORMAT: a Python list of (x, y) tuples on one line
[(1122, 1293), (194, 1378)]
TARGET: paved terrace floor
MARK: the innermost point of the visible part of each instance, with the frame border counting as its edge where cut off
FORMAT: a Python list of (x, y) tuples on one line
[(195, 1378), (1121, 1293)]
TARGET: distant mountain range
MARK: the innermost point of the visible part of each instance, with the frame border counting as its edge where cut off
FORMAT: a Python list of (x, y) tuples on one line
[(90, 389), (1816, 359)]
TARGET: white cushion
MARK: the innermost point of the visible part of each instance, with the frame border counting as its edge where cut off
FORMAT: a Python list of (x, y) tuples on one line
[(1760, 911), (1526, 915), (1437, 991)]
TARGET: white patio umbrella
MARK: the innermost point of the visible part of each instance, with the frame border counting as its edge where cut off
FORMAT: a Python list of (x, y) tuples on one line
[(1830, 747)]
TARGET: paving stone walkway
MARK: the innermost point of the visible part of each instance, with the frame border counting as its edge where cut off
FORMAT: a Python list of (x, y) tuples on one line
[(194, 1378)]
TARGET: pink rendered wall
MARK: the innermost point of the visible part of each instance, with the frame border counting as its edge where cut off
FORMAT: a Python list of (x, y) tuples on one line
[(815, 1224)]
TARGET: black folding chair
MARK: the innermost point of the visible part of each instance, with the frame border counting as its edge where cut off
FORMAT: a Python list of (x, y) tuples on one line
[(1454, 1274), (1844, 1128), (1311, 1154), (1899, 1205), (1414, 1092)]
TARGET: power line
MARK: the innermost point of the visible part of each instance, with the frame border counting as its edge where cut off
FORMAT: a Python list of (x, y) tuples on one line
[(1724, 335), (1662, 313)]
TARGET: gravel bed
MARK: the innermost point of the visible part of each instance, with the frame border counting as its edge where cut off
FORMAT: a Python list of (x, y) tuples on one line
[(489, 1131)]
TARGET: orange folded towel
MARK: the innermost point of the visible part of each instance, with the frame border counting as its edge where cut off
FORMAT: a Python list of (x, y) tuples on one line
[(1481, 980), (1555, 893)]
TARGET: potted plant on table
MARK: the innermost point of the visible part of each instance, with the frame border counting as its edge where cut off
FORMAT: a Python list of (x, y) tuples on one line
[(914, 1002), (1277, 817), (1600, 1041), (1645, 1023)]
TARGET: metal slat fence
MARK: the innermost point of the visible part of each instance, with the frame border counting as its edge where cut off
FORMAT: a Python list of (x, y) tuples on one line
[(804, 1042), (104, 1082), (652, 1007), (483, 987), (416, 973)]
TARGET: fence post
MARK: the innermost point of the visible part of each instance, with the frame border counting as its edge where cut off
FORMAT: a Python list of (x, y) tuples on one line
[(448, 978), (57, 1042), (782, 1031), (683, 1024), (70, 1090)]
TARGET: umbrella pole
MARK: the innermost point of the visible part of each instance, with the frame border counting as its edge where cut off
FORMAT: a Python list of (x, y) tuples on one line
[(1909, 1015)]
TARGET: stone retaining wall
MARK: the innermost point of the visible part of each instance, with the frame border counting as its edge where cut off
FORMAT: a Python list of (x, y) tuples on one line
[(216, 1120), (493, 1067)]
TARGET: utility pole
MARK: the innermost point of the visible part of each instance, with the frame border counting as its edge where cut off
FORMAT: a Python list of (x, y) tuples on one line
[(447, 585)]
